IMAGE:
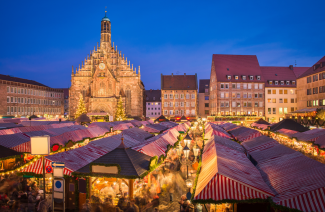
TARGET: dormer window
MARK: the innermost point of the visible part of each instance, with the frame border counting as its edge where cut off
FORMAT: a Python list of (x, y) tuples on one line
[(228, 77), (288, 82), (244, 77), (270, 82), (276, 82), (282, 82), (293, 82), (258, 77), (236, 77), (251, 77)]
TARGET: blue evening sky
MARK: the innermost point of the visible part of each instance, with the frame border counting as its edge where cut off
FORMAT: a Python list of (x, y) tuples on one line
[(41, 40)]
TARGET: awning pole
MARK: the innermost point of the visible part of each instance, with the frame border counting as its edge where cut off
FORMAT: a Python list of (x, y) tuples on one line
[(205, 207)]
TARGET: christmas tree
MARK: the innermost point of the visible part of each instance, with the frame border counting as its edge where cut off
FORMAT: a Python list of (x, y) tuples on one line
[(81, 107), (120, 113)]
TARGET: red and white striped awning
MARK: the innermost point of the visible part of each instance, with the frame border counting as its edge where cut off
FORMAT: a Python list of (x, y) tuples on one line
[(227, 174)]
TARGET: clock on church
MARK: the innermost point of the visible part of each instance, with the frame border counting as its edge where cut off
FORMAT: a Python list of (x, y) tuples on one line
[(101, 66)]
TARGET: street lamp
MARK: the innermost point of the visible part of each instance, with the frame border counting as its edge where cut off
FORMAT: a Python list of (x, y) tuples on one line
[(187, 140)]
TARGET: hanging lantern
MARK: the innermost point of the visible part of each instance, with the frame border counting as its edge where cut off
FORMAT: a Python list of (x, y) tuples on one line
[(189, 183), (196, 150), (179, 150), (186, 151), (187, 140)]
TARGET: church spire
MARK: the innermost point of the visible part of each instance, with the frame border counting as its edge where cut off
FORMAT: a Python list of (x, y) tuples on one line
[(72, 74)]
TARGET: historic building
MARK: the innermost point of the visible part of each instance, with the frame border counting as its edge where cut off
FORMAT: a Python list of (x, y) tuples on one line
[(104, 76), (311, 87), (204, 95), (23, 97), (280, 91), (66, 101), (179, 95), (153, 103), (236, 86)]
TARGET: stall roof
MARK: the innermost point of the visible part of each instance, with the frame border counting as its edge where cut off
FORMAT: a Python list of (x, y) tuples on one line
[(224, 176), (244, 133), (6, 152), (298, 181), (131, 162), (288, 124), (262, 121)]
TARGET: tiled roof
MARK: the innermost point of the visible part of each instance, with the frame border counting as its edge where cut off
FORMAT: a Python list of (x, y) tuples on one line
[(132, 163), (274, 73), (311, 70), (236, 65), (299, 70), (21, 80), (179, 82), (204, 84), (153, 95)]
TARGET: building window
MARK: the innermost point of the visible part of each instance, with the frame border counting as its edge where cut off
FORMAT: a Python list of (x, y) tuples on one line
[(285, 100), (274, 110), (280, 100), (166, 112), (170, 96), (249, 95), (170, 104), (238, 85), (222, 95), (222, 86), (176, 96), (269, 100), (249, 85), (285, 110), (244, 77), (269, 111), (280, 111), (288, 82), (292, 109), (249, 104), (236, 77), (293, 82), (261, 104), (270, 82), (238, 104), (238, 95), (165, 96), (282, 82), (193, 96), (182, 96), (258, 77), (226, 86), (309, 91), (206, 97), (206, 104), (260, 95), (228, 77), (182, 104), (255, 104), (273, 100), (276, 82), (206, 90), (285, 91), (251, 77), (244, 85), (233, 85), (244, 95), (206, 112), (308, 79), (170, 112), (269, 91)]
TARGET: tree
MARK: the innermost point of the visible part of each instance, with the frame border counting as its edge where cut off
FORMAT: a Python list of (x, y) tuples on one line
[(81, 107), (320, 114), (120, 113)]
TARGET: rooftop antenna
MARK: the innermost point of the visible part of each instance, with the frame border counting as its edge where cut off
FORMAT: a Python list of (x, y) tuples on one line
[(105, 10), (295, 63)]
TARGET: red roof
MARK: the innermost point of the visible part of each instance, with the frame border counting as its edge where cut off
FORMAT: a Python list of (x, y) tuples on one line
[(318, 68), (179, 82), (236, 65), (274, 73)]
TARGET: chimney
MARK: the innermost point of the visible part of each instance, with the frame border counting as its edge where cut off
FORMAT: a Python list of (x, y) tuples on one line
[(314, 67), (172, 74), (184, 74), (291, 67), (150, 90)]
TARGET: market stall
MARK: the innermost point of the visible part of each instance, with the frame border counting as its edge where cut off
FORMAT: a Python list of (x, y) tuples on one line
[(223, 180), (243, 133)]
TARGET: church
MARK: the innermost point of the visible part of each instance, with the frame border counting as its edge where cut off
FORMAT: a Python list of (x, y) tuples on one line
[(105, 76)]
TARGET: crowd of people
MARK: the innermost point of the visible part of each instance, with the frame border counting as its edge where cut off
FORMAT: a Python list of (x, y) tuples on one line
[(20, 194)]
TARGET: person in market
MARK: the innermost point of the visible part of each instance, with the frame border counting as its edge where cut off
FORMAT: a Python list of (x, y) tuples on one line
[(134, 206), (32, 199), (122, 202), (190, 207), (87, 206), (171, 193), (182, 203)]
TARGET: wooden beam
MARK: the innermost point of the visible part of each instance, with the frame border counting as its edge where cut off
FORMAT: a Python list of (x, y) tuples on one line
[(90, 185), (131, 189)]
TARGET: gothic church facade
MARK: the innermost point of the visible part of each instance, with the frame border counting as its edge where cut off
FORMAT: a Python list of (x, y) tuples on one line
[(104, 77)]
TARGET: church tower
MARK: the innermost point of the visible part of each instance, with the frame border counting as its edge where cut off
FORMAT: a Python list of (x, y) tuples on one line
[(105, 35)]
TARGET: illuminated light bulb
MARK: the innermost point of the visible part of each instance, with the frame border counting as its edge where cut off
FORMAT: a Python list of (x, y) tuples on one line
[(98, 181), (106, 182), (114, 183)]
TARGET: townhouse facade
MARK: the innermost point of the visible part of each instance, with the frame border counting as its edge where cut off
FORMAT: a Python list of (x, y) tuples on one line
[(236, 86), (22, 97), (280, 91), (179, 95), (204, 95), (153, 103), (311, 87)]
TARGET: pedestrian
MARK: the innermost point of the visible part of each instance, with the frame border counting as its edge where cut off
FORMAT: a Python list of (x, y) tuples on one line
[(134, 206), (171, 193), (87, 206), (32, 201)]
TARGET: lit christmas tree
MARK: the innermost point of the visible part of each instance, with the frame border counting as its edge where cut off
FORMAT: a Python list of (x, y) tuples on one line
[(120, 113), (81, 107)]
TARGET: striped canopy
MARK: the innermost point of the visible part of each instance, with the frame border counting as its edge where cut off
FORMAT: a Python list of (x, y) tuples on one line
[(227, 174), (244, 133), (298, 181)]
